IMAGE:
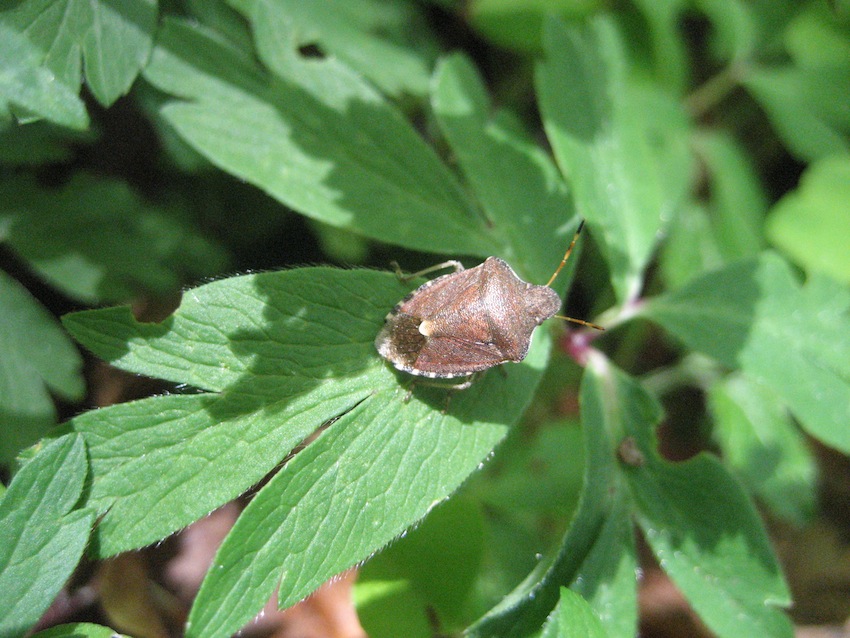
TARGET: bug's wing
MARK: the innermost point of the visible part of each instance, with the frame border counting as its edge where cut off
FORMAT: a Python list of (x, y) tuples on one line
[(449, 357), (442, 294)]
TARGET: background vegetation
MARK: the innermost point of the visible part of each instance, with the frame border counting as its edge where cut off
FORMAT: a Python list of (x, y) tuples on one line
[(150, 151)]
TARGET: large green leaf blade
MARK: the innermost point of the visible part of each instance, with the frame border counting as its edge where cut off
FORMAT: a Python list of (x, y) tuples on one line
[(42, 536), (621, 148), (373, 473), (709, 539), (317, 137), (163, 463), (283, 353), (519, 187), (597, 555), (699, 522), (38, 358), (311, 323), (753, 315)]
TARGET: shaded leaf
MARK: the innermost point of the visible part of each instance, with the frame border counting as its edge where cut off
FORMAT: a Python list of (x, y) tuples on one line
[(737, 200), (667, 49), (388, 608), (38, 358), (39, 143), (703, 530), (736, 29), (754, 315), (519, 187), (317, 137), (41, 536), (807, 106), (96, 240), (385, 41), (761, 443), (596, 556), (622, 149), (691, 248), (434, 565), (518, 25)]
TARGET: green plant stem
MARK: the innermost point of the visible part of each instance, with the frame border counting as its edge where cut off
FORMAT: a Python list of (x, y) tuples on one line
[(713, 91)]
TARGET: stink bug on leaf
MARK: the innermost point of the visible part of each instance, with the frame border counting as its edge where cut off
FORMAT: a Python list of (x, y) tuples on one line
[(469, 320)]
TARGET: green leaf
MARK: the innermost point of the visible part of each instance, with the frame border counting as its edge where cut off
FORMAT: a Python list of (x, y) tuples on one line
[(761, 443), (523, 521), (753, 315), (597, 556), (113, 38), (704, 532), (738, 202), (435, 564), (816, 37), (728, 226), (317, 137), (95, 240), (709, 539), (372, 473), (807, 106), (518, 186), (388, 42), (606, 579), (29, 90), (573, 617), (39, 143), (662, 25), (622, 149), (508, 488), (518, 24), (285, 352), (388, 608), (735, 28), (811, 224), (38, 358), (78, 630), (690, 248), (41, 536)]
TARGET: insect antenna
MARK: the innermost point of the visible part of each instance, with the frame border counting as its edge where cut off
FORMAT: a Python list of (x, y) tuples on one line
[(558, 270), (566, 254)]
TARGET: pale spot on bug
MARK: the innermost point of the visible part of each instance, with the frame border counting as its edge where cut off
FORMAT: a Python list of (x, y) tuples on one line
[(426, 328)]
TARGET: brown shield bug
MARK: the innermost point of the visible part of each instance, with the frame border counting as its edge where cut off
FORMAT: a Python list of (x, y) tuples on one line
[(469, 320)]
